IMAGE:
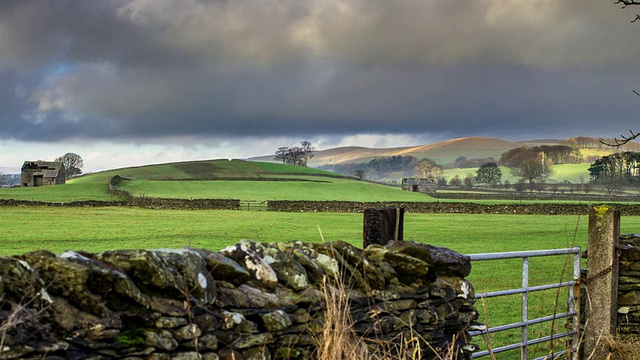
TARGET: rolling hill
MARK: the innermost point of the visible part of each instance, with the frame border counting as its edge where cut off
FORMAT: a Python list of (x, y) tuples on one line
[(446, 152), (218, 179), (443, 153)]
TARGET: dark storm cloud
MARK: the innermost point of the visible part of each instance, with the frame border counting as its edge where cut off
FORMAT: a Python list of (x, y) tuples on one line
[(146, 69)]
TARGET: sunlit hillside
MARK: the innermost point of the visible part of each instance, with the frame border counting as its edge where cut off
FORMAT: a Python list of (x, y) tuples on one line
[(218, 179)]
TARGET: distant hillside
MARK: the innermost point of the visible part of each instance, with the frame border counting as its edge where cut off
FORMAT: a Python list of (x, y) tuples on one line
[(446, 152), (443, 153)]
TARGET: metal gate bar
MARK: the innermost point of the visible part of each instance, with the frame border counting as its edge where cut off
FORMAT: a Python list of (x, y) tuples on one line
[(525, 290)]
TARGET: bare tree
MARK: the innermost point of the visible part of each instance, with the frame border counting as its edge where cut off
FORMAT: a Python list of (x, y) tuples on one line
[(307, 152), (297, 155), (72, 164), (633, 135), (281, 154), (626, 3), (359, 174), (527, 164), (469, 180)]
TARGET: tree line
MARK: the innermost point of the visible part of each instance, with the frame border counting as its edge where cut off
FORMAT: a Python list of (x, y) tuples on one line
[(616, 169), (378, 169)]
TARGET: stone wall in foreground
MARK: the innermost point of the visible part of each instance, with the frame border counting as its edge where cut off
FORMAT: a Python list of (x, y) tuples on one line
[(248, 301)]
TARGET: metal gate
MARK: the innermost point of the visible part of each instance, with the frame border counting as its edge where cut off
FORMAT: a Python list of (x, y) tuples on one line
[(253, 205), (572, 335)]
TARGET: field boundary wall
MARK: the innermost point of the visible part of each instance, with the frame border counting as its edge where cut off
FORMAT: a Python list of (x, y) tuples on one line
[(247, 301), (444, 207), (501, 195)]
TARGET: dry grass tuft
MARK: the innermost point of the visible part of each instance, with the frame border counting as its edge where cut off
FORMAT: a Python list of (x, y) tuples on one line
[(339, 340), (625, 347)]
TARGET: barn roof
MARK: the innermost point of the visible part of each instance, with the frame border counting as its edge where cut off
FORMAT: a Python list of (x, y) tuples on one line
[(48, 169)]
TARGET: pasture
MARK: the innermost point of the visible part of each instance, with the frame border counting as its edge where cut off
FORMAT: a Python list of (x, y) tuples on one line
[(574, 173), (97, 229), (106, 228), (221, 179)]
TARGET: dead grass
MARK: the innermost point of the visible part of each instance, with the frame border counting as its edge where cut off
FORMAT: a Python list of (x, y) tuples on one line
[(625, 347), (339, 340)]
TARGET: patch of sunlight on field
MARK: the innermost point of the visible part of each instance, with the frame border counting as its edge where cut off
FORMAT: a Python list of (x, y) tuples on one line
[(575, 173)]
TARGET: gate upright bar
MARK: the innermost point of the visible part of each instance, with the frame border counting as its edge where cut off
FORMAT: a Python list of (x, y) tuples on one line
[(572, 334)]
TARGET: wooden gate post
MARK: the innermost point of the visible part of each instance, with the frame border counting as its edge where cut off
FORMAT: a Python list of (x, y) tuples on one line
[(602, 281), (382, 225)]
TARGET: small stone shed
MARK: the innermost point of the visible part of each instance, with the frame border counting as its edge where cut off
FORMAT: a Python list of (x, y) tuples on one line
[(42, 173), (426, 186)]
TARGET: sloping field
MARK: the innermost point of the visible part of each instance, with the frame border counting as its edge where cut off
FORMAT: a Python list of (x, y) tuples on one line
[(446, 152), (297, 188), (218, 179)]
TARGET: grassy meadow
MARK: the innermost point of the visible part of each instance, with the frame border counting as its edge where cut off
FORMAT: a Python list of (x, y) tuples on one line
[(574, 173), (59, 229), (220, 179)]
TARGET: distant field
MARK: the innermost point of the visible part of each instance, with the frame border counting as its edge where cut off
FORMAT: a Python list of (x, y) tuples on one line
[(313, 188), (575, 173)]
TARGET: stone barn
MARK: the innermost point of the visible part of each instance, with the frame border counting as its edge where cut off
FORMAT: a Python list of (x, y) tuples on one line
[(43, 173), (425, 186)]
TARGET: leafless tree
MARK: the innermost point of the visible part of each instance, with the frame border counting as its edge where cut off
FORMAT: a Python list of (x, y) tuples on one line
[(626, 3), (632, 135), (72, 164), (281, 154)]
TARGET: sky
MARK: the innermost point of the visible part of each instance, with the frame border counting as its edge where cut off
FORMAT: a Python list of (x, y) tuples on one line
[(133, 82)]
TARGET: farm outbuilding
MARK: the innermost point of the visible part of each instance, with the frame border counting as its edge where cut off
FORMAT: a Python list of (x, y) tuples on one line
[(42, 173), (425, 186)]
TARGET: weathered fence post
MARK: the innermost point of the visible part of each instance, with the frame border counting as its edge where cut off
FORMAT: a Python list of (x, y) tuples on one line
[(382, 225), (602, 281)]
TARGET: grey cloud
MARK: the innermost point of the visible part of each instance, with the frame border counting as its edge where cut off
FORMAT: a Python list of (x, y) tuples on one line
[(148, 69)]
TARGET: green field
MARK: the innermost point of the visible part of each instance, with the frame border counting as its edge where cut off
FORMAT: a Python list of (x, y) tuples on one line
[(218, 179), (303, 188), (106, 228), (98, 229), (574, 173)]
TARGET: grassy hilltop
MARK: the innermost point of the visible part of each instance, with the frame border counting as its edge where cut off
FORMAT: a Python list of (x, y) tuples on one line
[(218, 179)]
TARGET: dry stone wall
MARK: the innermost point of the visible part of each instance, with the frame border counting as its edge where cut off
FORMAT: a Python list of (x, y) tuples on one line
[(247, 301), (444, 207), (629, 285), (628, 292)]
